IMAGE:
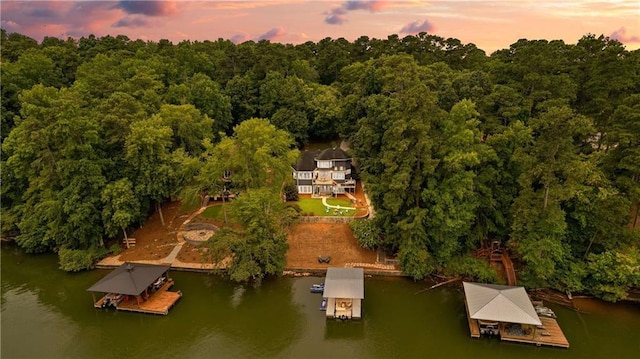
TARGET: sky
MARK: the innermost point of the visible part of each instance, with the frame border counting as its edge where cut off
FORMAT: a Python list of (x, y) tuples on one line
[(490, 25)]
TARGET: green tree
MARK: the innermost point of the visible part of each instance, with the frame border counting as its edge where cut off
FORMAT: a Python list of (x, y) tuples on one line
[(553, 171), (367, 233), (121, 207), (147, 152), (257, 155), (189, 126), (613, 273), (283, 100), (15, 44), (243, 93), (205, 95), (257, 249), (54, 149)]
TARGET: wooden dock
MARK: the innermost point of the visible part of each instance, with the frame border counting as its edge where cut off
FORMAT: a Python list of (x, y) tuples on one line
[(474, 328), (549, 334), (158, 303)]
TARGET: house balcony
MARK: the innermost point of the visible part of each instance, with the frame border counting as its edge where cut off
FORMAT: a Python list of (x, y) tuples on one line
[(349, 183), (323, 181)]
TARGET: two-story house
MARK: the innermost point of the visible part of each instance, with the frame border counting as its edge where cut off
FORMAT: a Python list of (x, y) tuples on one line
[(324, 173)]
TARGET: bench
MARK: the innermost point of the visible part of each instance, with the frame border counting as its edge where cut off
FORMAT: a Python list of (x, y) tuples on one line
[(129, 242)]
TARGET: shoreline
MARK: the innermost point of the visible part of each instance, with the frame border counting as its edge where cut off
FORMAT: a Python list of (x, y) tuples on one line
[(287, 271)]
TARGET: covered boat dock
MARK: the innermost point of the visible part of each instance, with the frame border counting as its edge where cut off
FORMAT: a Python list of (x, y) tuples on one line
[(137, 287), (344, 290), (507, 311)]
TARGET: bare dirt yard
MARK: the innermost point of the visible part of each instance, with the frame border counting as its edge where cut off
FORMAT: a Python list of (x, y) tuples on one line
[(153, 240), (306, 241)]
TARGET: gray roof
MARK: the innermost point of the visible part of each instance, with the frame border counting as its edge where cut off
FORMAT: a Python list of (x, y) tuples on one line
[(129, 278), (500, 303), (334, 153), (344, 283), (307, 161)]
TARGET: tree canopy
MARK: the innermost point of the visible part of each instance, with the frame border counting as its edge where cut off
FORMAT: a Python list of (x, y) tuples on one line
[(537, 145)]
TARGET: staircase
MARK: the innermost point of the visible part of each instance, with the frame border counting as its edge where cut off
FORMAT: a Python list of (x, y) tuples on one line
[(499, 254)]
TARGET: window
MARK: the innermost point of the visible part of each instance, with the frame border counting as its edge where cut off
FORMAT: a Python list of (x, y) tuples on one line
[(226, 174), (337, 175), (304, 175), (304, 189), (324, 164)]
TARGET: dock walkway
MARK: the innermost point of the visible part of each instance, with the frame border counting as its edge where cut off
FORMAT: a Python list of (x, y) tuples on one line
[(158, 303), (549, 334)]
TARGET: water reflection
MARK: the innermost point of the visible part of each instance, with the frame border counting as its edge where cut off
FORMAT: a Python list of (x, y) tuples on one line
[(236, 297), (48, 313), (344, 330)]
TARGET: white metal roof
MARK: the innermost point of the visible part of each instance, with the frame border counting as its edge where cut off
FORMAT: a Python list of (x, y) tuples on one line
[(500, 303), (344, 283)]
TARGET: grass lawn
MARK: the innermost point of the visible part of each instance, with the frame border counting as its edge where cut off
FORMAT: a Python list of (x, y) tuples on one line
[(315, 206), (214, 212)]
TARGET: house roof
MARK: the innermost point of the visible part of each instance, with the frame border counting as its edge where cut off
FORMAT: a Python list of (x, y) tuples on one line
[(334, 153), (307, 161), (129, 278), (500, 303), (344, 283)]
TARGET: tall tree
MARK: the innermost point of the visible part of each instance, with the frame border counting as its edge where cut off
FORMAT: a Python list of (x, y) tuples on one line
[(54, 149), (121, 207), (553, 171), (258, 249), (204, 93), (147, 151), (189, 126), (257, 155)]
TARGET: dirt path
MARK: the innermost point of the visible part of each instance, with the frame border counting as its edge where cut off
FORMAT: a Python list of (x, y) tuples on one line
[(156, 243)]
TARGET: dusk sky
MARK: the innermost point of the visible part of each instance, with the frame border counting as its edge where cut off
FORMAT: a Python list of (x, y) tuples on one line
[(491, 25)]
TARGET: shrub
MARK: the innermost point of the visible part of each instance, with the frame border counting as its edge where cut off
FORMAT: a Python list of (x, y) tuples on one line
[(366, 232), (473, 268), (295, 207), (290, 192), (415, 260), (115, 249), (75, 260)]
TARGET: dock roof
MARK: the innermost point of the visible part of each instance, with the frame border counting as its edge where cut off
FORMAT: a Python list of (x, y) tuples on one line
[(129, 278), (344, 283), (500, 303)]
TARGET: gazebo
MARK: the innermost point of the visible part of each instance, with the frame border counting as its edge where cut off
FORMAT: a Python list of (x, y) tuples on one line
[(344, 290), (136, 287)]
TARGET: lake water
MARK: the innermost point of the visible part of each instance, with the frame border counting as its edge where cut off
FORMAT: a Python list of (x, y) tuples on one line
[(47, 313)]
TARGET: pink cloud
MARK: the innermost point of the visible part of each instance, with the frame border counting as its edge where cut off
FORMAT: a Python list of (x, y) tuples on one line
[(337, 15), (148, 8), (240, 38), (371, 5), (272, 34), (417, 27), (38, 19), (132, 21), (621, 35)]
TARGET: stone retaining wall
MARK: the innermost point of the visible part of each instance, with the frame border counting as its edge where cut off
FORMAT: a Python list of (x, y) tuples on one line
[(329, 219)]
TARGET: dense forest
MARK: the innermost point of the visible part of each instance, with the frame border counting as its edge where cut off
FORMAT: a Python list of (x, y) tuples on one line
[(537, 145)]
